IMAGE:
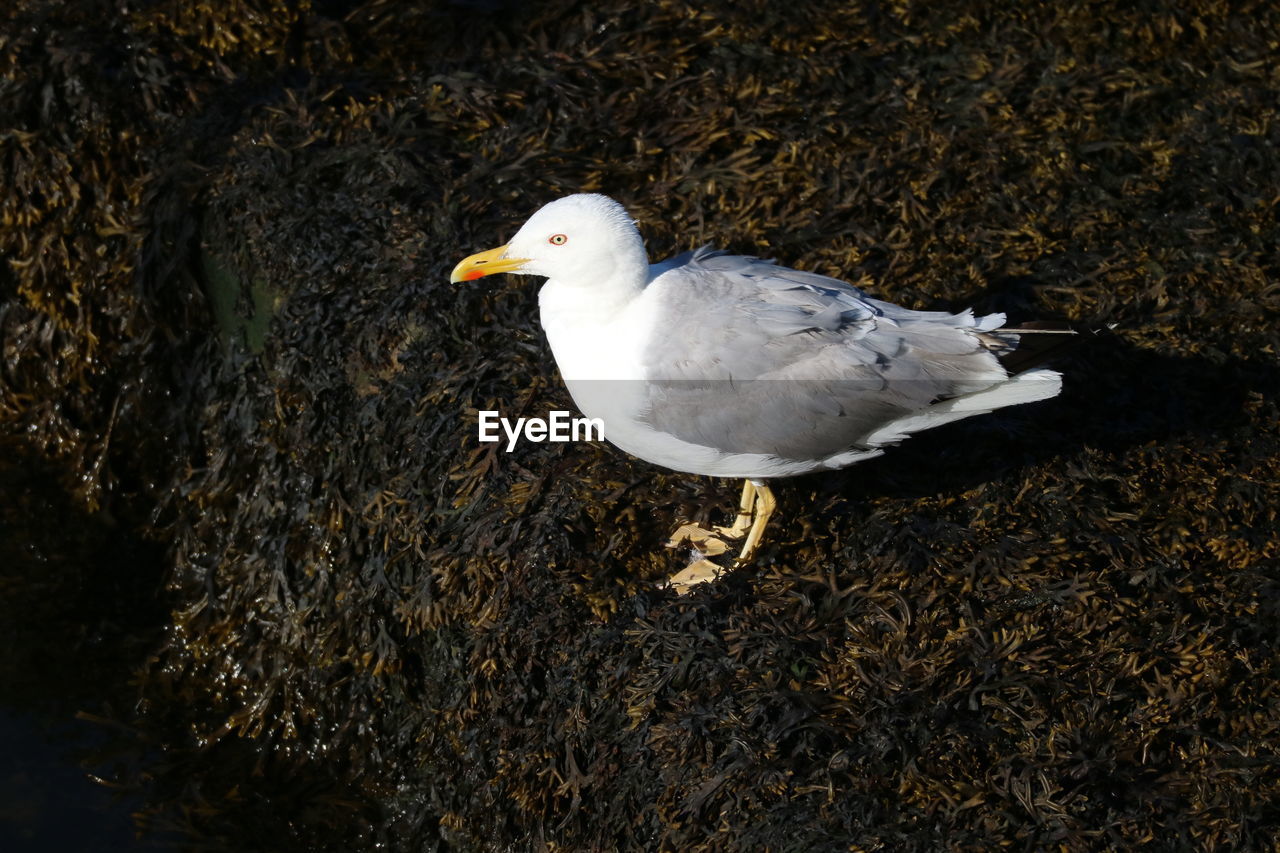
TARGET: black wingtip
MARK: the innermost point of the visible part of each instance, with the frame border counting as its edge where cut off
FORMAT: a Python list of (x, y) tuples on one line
[(1044, 341)]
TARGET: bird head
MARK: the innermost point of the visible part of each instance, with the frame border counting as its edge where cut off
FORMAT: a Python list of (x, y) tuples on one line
[(580, 238)]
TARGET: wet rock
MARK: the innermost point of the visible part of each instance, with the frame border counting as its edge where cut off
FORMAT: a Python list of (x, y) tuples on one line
[(228, 332)]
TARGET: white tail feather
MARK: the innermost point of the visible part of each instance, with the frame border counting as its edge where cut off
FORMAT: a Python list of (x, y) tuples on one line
[(1028, 387)]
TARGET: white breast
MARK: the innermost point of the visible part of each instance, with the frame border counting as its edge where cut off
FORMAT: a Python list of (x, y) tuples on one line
[(595, 338), (600, 350)]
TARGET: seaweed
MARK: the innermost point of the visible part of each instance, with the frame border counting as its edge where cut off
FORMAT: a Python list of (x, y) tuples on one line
[(232, 360)]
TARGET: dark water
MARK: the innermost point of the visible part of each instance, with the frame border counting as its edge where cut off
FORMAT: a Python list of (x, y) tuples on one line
[(79, 599), (48, 801)]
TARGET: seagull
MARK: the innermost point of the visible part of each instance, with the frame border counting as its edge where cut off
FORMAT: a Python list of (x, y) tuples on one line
[(726, 365)]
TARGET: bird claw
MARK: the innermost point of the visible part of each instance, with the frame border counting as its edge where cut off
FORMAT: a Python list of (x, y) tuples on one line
[(704, 541), (700, 572), (756, 506)]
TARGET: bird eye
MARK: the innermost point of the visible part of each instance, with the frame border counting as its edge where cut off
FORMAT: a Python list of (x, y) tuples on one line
[(558, 240)]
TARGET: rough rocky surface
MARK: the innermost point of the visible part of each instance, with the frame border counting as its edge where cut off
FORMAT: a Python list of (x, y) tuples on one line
[(247, 522)]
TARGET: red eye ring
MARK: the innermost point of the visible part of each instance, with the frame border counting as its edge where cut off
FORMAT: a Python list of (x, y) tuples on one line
[(558, 240)]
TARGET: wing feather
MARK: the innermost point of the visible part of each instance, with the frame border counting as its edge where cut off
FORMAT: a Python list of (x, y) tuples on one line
[(759, 358)]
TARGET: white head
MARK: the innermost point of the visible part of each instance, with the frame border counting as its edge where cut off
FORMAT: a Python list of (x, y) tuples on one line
[(579, 239)]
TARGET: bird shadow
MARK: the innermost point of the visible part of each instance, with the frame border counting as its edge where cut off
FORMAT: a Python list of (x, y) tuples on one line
[(1115, 396)]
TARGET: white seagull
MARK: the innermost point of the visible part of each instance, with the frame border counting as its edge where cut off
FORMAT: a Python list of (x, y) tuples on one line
[(731, 366)]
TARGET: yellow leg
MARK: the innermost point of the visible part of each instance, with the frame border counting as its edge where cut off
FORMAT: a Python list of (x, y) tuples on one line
[(742, 523), (754, 510), (765, 505)]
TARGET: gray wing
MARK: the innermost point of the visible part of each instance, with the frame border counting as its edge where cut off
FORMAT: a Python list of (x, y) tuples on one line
[(759, 358)]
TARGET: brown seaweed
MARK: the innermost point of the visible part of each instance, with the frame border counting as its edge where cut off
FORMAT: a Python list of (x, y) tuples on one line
[(231, 354)]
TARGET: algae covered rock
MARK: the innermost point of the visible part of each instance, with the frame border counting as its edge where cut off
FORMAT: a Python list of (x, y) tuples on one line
[(232, 355)]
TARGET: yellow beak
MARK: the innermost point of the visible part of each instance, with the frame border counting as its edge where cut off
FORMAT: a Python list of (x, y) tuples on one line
[(486, 263)]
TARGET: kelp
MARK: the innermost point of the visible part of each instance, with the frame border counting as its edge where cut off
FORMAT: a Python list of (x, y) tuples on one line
[(232, 353)]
